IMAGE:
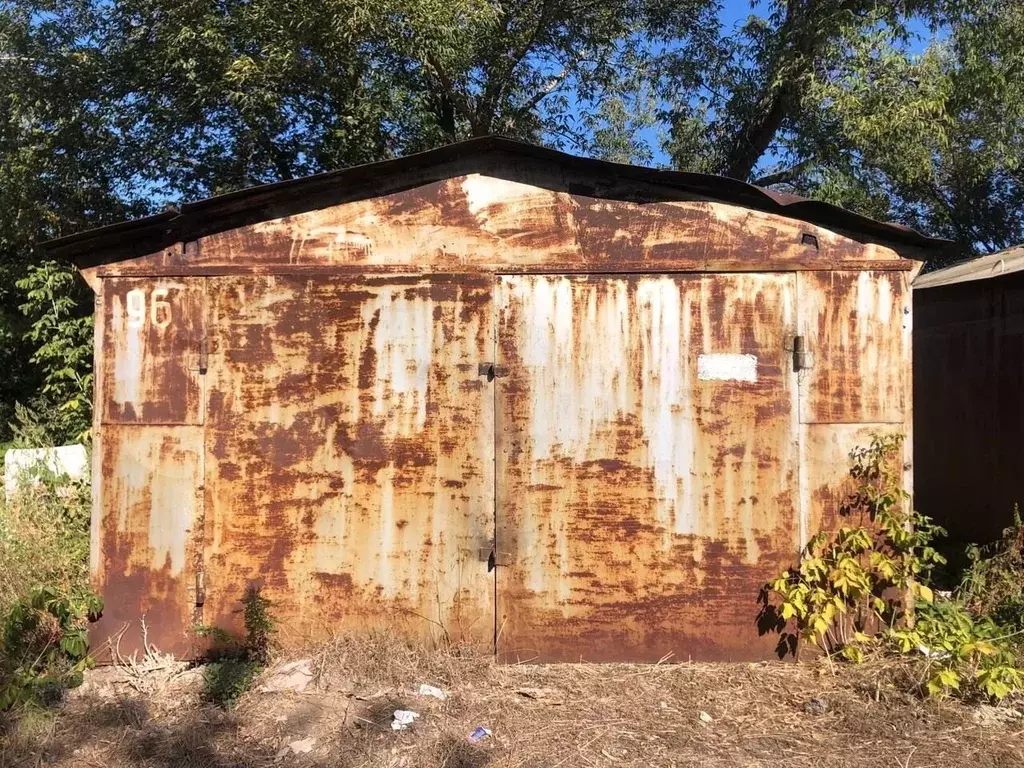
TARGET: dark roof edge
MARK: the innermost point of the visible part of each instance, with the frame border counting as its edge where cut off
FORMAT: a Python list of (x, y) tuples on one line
[(146, 235)]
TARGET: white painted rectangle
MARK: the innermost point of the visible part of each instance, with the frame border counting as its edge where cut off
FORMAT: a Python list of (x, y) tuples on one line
[(726, 366)]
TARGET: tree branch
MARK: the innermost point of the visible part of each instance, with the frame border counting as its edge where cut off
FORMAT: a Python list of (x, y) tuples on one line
[(784, 176), (457, 99)]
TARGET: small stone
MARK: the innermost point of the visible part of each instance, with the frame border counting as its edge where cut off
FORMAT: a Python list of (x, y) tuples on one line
[(705, 717), (816, 706)]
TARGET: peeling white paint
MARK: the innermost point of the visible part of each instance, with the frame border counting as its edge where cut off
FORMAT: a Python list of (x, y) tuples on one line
[(403, 342), (129, 357), (726, 366)]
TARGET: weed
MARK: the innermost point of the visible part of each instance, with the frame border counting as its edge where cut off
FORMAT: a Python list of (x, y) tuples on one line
[(44, 648), (259, 626), (44, 538), (242, 659), (226, 680), (840, 595), (994, 582)]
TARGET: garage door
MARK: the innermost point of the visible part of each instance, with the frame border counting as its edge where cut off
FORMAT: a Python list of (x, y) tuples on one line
[(646, 463)]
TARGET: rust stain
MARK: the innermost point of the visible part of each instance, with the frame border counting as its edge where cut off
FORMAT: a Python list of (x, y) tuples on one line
[(483, 223), (617, 460), (642, 460), (148, 535), (859, 326), (351, 439), (150, 358)]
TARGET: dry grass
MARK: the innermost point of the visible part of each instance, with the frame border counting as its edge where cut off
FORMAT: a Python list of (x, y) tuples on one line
[(557, 716)]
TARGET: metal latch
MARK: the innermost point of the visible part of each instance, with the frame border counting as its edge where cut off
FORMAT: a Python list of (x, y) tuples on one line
[(204, 356), (492, 371)]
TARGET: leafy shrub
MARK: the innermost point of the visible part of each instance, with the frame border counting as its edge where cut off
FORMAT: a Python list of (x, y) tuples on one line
[(961, 652), (58, 305), (44, 647), (226, 680), (846, 581), (44, 539), (994, 582), (238, 664), (848, 592)]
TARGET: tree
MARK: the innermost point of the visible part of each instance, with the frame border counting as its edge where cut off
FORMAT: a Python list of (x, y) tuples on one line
[(826, 98), (112, 110)]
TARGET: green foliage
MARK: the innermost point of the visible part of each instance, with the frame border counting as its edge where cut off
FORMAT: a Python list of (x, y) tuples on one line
[(847, 594), (44, 538), (845, 581), (56, 302), (259, 626), (963, 653), (836, 99), (226, 680), (44, 648), (239, 660), (994, 583)]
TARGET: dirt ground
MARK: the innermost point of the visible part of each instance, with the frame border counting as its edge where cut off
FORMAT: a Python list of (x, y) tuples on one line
[(736, 715)]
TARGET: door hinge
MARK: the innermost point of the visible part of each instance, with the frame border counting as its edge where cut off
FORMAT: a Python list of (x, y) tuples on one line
[(204, 356), (492, 371), (802, 358), (200, 589)]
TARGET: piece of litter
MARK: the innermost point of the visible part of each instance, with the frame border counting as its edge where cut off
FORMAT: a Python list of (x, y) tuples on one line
[(403, 719), (705, 717), (294, 676), (429, 690), (300, 747), (479, 734)]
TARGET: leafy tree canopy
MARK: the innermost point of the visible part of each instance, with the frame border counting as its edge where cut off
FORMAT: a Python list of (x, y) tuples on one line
[(910, 110)]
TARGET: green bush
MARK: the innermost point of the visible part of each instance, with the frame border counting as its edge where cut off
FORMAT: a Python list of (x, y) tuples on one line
[(226, 680), (994, 582), (841, 595), (43, 645), (240, 660), (44, 539)]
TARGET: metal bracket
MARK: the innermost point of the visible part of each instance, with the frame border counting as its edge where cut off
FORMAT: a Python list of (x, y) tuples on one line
[(492, 371), (204, 356)]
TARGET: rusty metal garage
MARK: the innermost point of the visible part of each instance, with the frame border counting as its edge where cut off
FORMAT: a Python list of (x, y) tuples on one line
[(488, 393)]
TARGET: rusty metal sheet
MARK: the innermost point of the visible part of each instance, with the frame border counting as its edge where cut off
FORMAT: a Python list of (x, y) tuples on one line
[(858, 326), (152, 332), (647, 472), (481, 223), (146, 533), (350, 445)]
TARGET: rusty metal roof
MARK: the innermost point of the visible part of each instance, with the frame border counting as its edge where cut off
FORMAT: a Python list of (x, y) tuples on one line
[(993, 265), (490, 154)]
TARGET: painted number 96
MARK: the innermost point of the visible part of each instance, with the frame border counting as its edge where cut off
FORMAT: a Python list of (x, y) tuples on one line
[(159, 308)]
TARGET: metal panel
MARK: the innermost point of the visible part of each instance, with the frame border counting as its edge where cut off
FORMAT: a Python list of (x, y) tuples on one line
[(148, 532), (350, 444), (969, 412), (858, 330), (151, 335), (641, 505)]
